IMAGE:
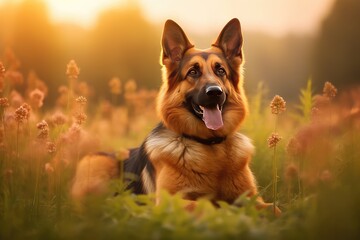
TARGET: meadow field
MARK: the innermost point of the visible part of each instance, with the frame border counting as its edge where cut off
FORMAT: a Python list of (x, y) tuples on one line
[(307, 159)]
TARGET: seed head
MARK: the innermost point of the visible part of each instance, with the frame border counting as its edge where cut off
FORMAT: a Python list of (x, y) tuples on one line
[(43, 134), (21, 114), (329, 90), (51, 147), (42, 125), (81, 100), (72, 70), (4, 102), (277, 105), (273, 140), (80, 118), (44, 130), (27, 107)]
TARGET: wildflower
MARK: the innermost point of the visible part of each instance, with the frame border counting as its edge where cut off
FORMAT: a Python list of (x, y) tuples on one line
[(81, 100), (44, 130), (21, 114), (43, 134), (49, 168), (273, 140), (59, 118), (37, 97), (277, 105), (4, 102), (80, 118), (72, 70), (28, 109), (26, 106), (42, 125), (50, 147), (115, 86), (329, 90)]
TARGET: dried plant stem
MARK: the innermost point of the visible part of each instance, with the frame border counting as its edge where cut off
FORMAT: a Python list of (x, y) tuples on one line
[(274, 171), (274, 180), (70, 95)]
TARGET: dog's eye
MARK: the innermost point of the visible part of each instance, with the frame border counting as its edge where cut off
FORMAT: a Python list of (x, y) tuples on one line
[(220, 71), (193, 72)]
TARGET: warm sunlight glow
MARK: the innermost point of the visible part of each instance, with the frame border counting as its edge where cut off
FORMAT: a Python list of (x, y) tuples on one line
[(277, 17), (83, 12)]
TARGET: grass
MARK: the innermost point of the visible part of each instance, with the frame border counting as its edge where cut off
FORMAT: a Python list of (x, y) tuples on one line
[(317, 162)]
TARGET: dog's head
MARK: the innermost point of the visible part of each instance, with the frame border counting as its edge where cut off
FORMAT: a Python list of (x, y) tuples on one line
[(202, 92)]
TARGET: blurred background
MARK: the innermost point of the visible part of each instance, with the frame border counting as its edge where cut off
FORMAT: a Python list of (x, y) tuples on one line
[(285, 42)]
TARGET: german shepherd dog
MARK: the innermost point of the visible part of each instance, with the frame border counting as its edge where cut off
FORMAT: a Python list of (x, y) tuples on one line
[(196, 149)]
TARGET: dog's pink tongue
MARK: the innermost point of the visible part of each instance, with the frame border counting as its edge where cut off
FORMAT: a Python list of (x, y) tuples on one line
[(212, 118)]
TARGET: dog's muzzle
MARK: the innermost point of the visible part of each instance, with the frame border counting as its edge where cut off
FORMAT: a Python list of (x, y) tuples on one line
[(208, 105)]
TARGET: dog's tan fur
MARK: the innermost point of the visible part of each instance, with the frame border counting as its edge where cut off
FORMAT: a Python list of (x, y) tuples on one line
[(92, 175), (195, 170)]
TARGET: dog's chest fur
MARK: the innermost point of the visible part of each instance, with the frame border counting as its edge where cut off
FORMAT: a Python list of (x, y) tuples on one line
[(218, 171)]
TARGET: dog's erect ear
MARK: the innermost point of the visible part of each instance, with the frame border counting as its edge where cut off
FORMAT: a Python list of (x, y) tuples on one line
[(230, 39), (174, 42)]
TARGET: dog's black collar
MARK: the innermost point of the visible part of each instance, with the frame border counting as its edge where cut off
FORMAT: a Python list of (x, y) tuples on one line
[(206, 141)]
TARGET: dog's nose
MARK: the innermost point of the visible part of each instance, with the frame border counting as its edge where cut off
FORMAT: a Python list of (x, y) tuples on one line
[(213, 91)]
